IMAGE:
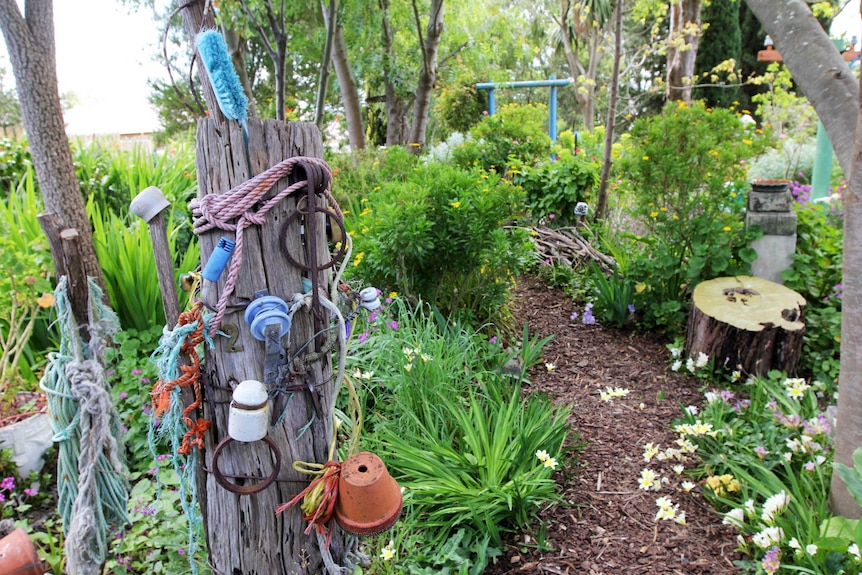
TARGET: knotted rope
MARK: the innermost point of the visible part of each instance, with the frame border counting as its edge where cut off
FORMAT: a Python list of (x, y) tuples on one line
[(91, 473), (219, 210), (191, 376)]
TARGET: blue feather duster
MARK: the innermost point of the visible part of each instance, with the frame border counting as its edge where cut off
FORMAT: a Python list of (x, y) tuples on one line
[(223, 76)]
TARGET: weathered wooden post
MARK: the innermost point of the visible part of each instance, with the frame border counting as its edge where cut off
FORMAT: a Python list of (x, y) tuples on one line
[(243, 532), (245, 536)]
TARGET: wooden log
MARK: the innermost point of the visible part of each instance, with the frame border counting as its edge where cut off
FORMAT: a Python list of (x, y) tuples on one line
[(746, 323), (244, 533)]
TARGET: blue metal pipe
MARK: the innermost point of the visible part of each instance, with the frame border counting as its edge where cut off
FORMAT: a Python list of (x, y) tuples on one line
[(524, 84)]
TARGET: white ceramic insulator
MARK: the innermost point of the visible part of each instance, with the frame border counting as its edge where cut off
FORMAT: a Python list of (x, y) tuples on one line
[(248, 417)]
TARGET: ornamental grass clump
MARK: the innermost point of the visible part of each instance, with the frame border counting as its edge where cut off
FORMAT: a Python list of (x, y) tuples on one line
[(475, 459)]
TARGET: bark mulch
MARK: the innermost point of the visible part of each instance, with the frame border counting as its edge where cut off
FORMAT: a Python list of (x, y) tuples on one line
[(606, 524)]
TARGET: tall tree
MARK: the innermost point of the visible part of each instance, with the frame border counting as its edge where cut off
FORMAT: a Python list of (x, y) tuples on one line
[(427, 72), (349, 91), (30, 43), (582, 27), (684, 34), (821, 72)]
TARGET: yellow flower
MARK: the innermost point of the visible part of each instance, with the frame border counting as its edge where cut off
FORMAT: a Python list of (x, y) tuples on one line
[(645, 158), (726, 228), (358, 259), (455, 205), (46, 300), (653, 214), (393, 294), (365, 212), (747, 141)]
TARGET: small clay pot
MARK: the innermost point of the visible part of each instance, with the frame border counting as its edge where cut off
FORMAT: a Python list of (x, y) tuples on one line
[(18, 555), (369, 499)]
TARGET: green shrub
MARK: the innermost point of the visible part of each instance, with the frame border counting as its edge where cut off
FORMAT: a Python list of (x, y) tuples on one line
[(436, 234), (684, 168), (554, 188), (14, 161), (816, 274), (515, 133), (459, 106)]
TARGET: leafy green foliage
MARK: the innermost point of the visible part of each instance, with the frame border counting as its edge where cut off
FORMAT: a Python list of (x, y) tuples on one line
[(436, 234), (685, 169), (459, 107), (614, 297), (14, 160), (554, 188), (816, 274)]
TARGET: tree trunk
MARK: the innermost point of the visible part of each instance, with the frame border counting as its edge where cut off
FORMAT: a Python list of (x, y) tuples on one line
[(329, 17), (30, 43), (684, 35), (396, 106), (746, 323), (848, 434), (349, 93), (602, 204), (427, 76), (244, 533), (817, 68)]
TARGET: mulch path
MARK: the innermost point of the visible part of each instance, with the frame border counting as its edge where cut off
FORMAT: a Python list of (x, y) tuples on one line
[(607, 524)]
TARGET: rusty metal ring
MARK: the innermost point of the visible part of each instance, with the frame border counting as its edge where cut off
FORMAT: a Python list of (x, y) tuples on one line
[(282, 241), (246, 489)]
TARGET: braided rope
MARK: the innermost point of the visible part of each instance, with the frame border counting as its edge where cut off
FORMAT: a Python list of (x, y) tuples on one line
[(218, 210)]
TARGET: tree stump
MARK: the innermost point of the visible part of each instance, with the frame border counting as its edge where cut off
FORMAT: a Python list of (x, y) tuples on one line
[(746, 323)]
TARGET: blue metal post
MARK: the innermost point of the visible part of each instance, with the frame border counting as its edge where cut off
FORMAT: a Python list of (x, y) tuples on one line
[(552, 111), (492, 104)]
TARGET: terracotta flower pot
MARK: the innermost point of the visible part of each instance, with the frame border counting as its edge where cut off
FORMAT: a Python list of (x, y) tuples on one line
[(18, 555), (770, 186), (369, 499)]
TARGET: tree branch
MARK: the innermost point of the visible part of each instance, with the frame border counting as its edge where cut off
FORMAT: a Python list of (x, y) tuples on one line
[(419, 33)]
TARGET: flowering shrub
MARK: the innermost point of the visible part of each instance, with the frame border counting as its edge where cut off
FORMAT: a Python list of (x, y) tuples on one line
[(554, 188), (684, 169)]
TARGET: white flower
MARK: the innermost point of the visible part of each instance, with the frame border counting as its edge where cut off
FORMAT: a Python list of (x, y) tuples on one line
[(687, 486), (678, 469), (773, 506), (749, 507), (735, 376), (768, 537), (542, 455), (408, 366), (550, 366), (711, 396), (702, 360), (794, 544), (689, 364), (854, 551), (388, 552), (650, 450), (734, 517), (676, 351), (680, 518), (551, 462), (649, 480), (811, 549), (676, 365), (691, 410)]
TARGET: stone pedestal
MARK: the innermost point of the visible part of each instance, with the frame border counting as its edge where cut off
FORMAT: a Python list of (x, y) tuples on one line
[(770, 206)]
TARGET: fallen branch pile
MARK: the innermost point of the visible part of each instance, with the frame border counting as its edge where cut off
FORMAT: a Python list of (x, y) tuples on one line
[(566, 246)]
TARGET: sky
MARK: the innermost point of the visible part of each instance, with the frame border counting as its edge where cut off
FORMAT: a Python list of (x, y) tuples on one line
[(104, 57)]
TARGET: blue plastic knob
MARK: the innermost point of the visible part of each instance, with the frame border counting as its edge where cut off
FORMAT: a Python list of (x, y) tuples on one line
[(218, 259)]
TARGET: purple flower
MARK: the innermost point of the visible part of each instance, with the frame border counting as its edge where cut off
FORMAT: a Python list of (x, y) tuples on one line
[(742, 404), (631, 308), (137, 372), (30, 492), (363, 336), (493, 340), (8, 483), (761, 451), (770, 560), (393, 325), (181, 551), (2, 498), (145, 380), (551, 216), (123, 395), (727, 395), (574, 316)]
